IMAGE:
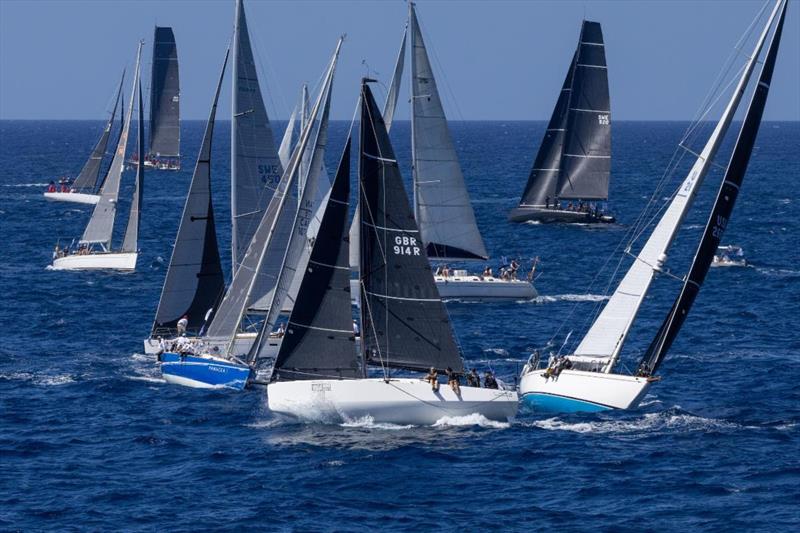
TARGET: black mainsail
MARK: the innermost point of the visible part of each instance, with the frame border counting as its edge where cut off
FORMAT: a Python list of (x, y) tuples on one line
[(319, 341), (165, 131), (195, 281), (720, 213), (404, 322), (87, 179)]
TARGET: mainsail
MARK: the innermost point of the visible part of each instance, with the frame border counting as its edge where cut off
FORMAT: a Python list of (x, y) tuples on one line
[(319, 340), (609, 331), (404, 322), (195, 281), (441, 202), (130, 241), (101, 226), (255, 166), (87, 179), (720, 213), (165, 129)]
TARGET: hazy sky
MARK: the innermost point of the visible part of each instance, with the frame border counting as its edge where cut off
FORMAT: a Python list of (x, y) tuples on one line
[(496, 59)]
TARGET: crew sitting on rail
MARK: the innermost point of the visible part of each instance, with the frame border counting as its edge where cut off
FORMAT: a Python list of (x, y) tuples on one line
[(473, 379), (433, 379), (52, 186), (489, 381), (453, 379)]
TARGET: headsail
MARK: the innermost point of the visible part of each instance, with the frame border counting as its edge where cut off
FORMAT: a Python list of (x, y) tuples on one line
[(608, 333), (195, 282), (319, 341), (101, 225), (255, 166), (720, 213), (87, 179), (165, 128), (586, 159), (131, 240), (441, 202), (404, 322)]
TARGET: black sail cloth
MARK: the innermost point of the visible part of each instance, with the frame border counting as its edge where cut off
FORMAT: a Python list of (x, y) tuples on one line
[(165, 132)]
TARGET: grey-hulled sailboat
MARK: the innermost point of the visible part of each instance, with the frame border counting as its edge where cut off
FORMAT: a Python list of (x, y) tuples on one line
[(570, 175), (164, 152), (85, 188)]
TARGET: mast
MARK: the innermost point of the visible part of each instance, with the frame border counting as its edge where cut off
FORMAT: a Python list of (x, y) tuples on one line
[(442, 205), (720, 213), (195, 282), (130, 242), (88, 178), (165, 130), (607, 334), (101, 226)]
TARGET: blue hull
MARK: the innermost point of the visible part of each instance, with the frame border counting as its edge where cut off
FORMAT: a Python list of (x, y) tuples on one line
[(204, 373), (548, 403)]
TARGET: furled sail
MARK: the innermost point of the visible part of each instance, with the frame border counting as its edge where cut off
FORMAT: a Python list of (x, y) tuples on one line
[(609, 331), (165, 128), (543, 179), (87, 179), (195, 281), (131, 240), (255, 166), (404, 322), (101, 225), (441, 201), (586, 159), (720, 213), (319, 340)]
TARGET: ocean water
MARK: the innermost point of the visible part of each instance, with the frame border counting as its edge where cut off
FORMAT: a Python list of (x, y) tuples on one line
[(92, 439)]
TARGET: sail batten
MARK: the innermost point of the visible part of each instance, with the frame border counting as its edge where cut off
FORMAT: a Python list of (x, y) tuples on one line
[(165, 131)]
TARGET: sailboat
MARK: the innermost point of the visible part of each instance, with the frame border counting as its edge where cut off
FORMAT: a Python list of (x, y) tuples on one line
[(318, 375), (212, 361), (588, 380), (442, 205), (569, 179), (94, 250), (84, 190), (164, 152)]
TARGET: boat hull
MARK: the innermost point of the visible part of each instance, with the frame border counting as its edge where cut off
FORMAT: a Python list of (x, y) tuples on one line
[(97, 261), (579, 391), (398, 401), (204, 372), (75, 197), (528, 214), (241, 345), (487, 288)]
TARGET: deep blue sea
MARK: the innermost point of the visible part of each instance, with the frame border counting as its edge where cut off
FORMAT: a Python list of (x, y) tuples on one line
[(92, 439)]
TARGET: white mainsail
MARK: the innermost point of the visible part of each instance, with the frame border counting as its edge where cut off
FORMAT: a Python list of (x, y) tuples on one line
[(130, 243), (609, 331), (101, 226)]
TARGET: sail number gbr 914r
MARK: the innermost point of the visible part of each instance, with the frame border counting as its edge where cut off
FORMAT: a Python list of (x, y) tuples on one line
[(405, 245)]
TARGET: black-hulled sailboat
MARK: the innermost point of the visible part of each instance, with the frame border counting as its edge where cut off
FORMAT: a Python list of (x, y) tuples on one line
[(85, 189), (164, 152), (588, 379), (570, 176), (318, 374)]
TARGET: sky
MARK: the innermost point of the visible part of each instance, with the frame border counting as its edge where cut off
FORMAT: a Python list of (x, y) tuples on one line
[(494, 60)]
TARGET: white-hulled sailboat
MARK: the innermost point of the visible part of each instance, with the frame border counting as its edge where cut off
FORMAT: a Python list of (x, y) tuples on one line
[(588, 379), (84, 190), (318, 374), (442, 206), (94, 250)]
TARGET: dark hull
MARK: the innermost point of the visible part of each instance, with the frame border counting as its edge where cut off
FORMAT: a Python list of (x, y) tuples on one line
[(525, 214)]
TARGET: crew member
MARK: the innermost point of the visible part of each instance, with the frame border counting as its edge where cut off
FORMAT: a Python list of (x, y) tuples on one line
[(433, 379), (473, 379), (454, 381), (489, 382), (183, 323)]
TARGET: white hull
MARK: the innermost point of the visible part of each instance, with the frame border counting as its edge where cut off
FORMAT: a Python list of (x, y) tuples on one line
[(241, 345), (97, 261), (577, 390), (400, 401), (472, 287), (76, 197)]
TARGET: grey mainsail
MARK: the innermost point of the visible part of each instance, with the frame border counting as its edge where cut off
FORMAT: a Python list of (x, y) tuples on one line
[(404, 322), (441, 202), (255, 166), (165, 129), (101, 226), (131, 239), (195, 281), (586, 159), (87, 179)]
